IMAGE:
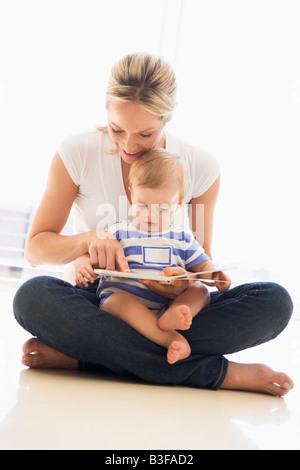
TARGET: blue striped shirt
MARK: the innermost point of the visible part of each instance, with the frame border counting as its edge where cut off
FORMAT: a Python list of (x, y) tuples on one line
[(152, 252)]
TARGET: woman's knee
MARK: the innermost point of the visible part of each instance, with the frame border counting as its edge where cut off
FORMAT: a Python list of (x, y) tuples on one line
[(29, 298), (282, 304)]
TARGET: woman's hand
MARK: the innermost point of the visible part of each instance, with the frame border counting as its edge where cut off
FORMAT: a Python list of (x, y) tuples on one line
[(84, 271), (226, 281), (170, 291), (106, 252)]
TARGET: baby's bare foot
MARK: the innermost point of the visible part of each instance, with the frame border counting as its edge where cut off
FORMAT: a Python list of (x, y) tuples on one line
[(178, 351), (178, 348), (177, 317), (39, 356)]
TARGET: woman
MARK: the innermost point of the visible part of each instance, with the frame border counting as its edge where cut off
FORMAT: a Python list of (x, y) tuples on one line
[(89, 172)]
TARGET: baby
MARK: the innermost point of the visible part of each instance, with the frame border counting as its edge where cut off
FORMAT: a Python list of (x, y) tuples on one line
[(151, 243)]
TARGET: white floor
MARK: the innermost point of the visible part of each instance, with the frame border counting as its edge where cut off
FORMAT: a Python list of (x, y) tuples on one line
[(72, 410)]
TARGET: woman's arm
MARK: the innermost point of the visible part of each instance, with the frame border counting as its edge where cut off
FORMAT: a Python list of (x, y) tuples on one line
[(45, 245), (202, 216)]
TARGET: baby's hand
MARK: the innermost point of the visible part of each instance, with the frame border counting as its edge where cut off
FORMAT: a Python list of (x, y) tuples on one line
[(84, 271), (170, 291)]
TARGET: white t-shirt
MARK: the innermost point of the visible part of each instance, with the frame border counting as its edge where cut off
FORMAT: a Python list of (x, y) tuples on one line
[(101, 199)]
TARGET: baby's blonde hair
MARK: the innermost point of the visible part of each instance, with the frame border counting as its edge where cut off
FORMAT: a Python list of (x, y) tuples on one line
[(145, 79), (157, 167)]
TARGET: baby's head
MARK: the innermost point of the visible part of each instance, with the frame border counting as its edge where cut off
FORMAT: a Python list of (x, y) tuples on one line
[(157, 181)]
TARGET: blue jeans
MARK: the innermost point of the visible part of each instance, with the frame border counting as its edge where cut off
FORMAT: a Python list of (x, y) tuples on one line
[(69, 320)]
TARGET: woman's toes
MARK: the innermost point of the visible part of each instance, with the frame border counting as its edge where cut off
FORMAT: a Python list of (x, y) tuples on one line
[(30, 346)]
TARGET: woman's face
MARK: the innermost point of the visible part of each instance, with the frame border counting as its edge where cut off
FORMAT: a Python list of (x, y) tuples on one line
[(133, 130)]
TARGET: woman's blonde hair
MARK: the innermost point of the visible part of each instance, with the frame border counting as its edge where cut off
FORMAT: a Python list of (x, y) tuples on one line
[(157, 167), (145, 79)]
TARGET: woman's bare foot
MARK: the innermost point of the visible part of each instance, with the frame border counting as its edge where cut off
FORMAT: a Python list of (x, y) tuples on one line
[(177, 317), (178, 348), (257, 378), (39, 356)]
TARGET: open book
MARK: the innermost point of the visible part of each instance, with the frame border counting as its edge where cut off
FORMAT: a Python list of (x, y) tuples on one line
[(157, 277)]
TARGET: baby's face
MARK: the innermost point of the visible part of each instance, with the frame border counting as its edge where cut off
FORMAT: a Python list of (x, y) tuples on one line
[(153, 208)]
